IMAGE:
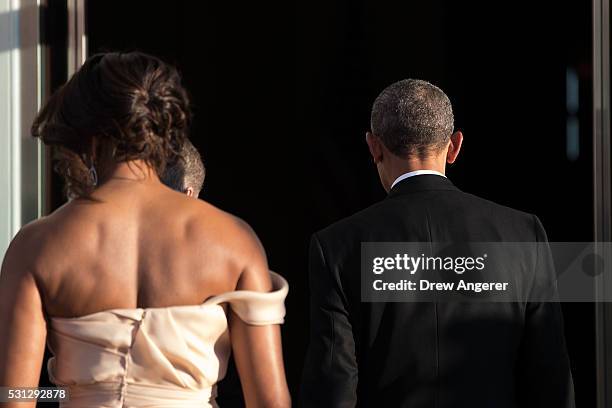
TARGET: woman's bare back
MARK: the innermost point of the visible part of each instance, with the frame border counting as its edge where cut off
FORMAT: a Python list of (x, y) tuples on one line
[(138, 244)]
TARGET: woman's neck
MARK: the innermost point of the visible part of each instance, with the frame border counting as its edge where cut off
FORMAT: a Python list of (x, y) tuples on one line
[(136, 171)]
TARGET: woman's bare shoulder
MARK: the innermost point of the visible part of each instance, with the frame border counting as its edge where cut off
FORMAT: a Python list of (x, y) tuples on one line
[(211, 219), (246, 248), (21, 254), (211, 227), (50, 238)]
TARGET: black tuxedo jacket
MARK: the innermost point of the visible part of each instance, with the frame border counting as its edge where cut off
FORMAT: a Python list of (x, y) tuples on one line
[(437, 355)]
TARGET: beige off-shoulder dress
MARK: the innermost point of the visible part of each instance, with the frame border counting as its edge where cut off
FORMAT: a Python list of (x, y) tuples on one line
[(154, 357)]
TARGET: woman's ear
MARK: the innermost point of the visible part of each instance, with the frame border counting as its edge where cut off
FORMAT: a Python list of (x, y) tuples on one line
[(456, 140), (374, 144)]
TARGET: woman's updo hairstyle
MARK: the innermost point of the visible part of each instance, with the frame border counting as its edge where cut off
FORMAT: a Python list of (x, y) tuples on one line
[(132, 104)]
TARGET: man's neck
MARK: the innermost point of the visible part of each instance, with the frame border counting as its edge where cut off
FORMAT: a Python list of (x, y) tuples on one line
[(409, 169), (400, 166)]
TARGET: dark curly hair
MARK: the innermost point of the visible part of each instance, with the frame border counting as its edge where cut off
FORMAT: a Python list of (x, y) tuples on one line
[(122, 106)]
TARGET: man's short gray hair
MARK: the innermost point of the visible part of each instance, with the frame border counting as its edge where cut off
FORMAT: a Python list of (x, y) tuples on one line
[(188, 171), (412, 117)]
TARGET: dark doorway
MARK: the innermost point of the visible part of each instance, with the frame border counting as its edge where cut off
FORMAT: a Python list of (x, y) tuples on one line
[(282, 94)]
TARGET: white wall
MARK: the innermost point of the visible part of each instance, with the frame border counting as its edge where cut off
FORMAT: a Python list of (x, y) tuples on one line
[(21, 198)]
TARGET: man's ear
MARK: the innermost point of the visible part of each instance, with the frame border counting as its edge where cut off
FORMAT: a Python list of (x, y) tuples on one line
[(190, 192), (456, 140), (374, 144)]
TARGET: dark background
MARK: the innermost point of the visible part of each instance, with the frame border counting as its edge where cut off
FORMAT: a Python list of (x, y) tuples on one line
[(282, 93)]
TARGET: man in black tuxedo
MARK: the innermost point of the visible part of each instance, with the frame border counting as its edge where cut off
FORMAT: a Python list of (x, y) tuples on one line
[(426, 354)]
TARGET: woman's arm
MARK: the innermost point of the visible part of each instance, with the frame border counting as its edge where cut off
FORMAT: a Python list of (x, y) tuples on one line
[(22, 323), (258, 349)]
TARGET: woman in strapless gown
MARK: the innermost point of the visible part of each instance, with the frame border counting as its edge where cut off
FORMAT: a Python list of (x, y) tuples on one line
[(140, 292)]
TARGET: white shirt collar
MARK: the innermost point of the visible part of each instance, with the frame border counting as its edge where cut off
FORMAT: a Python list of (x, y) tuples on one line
[(415, 173)]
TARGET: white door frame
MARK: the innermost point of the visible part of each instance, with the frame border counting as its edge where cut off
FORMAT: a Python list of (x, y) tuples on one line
[(21, 156), (602, 189)]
